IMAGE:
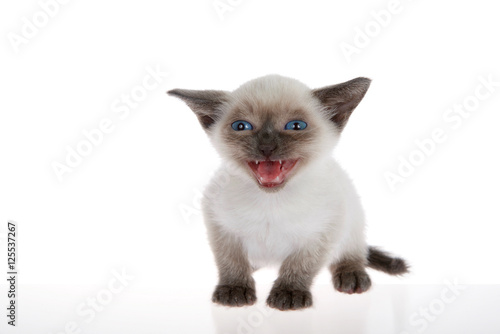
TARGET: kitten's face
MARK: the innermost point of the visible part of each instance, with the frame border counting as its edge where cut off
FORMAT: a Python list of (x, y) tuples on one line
[(272, 127), (272, 130)]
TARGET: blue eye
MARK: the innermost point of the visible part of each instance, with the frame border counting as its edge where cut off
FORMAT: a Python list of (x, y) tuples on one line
[(241, 125), (295, 125)]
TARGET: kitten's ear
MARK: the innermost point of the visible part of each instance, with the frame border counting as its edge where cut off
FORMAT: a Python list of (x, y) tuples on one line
[(205, 103), (341, 99)]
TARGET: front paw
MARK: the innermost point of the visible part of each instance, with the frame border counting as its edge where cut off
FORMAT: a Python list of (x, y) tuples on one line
[(288, 299), (352, 281), (233, 295)]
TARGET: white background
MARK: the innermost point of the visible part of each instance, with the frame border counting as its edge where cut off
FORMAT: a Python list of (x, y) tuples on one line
[(133, 202)]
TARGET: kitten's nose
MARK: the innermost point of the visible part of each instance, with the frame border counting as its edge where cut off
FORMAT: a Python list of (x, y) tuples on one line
[(267, 149)]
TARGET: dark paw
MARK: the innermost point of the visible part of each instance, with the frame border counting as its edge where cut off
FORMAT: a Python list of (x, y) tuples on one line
[(352, 282), (232, 295), (287, 299)]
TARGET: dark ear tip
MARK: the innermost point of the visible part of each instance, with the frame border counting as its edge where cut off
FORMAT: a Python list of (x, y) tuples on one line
[(363, 80), (173, 92)]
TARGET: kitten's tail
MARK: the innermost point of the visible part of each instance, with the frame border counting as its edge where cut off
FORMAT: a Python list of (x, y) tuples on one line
[(380, 260)]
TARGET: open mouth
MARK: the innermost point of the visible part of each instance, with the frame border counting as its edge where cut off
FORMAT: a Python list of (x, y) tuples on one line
[(271, 173)]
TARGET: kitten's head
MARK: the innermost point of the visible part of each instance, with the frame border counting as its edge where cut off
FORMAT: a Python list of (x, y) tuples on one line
[(272, 127)]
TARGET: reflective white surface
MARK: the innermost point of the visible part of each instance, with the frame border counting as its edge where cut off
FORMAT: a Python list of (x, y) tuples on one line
[(385, 309)]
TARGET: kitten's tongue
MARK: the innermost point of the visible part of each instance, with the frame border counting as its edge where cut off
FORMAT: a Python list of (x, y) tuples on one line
[(269, 170), (271, 173)]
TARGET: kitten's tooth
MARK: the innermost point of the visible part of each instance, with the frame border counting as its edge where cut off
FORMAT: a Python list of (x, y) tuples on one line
[(280, 162), (256, 162)]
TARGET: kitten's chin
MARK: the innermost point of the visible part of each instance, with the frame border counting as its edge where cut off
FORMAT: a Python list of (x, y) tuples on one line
[(272, 174)]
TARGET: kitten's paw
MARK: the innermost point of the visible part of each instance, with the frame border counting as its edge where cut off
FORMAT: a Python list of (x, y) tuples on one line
[(287, 299), (232, 295), (352, 282)]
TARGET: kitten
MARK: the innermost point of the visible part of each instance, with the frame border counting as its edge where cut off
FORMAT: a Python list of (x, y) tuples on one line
[(287, 201)]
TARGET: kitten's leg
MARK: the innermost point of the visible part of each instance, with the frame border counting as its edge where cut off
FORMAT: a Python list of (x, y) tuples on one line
[(291, 289), (236, 286), (349, 274), (351, 256)]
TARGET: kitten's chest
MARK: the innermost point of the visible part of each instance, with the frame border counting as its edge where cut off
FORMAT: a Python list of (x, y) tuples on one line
[(273, 226)]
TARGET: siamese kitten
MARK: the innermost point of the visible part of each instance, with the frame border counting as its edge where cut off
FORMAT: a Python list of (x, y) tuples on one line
[(287, 201)]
